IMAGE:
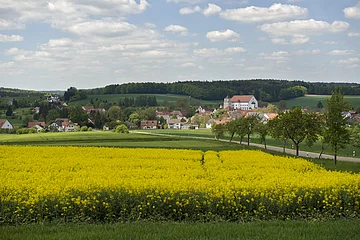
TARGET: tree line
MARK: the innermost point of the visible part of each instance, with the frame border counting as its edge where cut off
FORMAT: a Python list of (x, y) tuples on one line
[(264, 90), (298, 126)]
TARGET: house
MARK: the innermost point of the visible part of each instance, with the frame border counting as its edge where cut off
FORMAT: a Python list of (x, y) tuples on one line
[(264, 117), (88, 109), (153, 124), (209, 123), (33, 124), (223, 121), (5, 124), (53, 99), (55, 127), (190, 126), (163, 114), (69, 126), (36, 109), (175, 123), (243, 102)]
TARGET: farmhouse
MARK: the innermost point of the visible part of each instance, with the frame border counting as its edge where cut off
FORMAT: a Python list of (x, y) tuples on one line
[(5, 124), (149, 124), (243, 102)]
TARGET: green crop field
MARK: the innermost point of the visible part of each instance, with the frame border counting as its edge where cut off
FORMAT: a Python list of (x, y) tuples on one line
[(171, 98), (347, 152), (110, 139), (295, 230), (312, 101)]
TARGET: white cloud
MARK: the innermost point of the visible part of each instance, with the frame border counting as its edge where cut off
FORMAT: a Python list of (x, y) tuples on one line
[(11, 38), (307, 52), (185, 1), (342, 52), (212, 9), (227, 35), (299, 39), (304, 27), (352, 12), (275, 12), (347, 63), (330, 42), (62, 42), (235, 50), (354, 34), (188, 64), (5, 24), (187, 10), (281, 41), (150, 25), (281, 55), (102, 28), (183, 31), (207, 52)]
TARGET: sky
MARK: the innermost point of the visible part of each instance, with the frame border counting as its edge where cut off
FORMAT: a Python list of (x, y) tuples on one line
[(56, 44)]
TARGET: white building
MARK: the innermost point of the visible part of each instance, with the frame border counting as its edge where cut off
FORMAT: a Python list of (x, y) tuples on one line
[(5, 124), (244, 102)]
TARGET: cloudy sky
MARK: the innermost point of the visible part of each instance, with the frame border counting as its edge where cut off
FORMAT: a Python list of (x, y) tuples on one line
[(55, 44)]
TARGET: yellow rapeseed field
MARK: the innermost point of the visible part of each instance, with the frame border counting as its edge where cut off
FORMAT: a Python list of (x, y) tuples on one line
[(105, 184)]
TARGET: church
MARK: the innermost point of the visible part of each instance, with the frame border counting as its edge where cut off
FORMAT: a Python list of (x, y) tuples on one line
[(243, 102)]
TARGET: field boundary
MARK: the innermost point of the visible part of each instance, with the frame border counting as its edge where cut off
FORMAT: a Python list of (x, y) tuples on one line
[(272, 148)]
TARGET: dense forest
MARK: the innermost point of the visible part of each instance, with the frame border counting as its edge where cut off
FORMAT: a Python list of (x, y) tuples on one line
[(265, 90)]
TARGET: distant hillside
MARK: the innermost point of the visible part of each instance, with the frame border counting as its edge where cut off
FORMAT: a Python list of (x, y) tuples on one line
[(13, 92), (162, 99), (265, 90)]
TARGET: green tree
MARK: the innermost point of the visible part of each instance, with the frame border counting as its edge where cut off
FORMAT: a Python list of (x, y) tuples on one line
[(336, 133), (282, 105), (121, 129), (250, 125), (297, 126), (9, 111), (115, 113), (148, 114), (135, 119), (231, 128), (218, 130), (241, 128), (320, 105), (355, 136), (78, 115), (263, 130)]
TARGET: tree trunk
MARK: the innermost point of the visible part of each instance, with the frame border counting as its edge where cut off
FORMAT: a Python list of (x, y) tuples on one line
[(335, 157), (265, 143), (297, 150), (232, 135), (241, 139), (322, 151), (248, 139), (284, 146)]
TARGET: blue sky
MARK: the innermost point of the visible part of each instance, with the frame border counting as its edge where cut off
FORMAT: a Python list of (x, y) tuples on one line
[(55, 44)]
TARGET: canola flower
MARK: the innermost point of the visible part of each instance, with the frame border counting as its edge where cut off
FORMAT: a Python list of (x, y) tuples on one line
[(105, 184)]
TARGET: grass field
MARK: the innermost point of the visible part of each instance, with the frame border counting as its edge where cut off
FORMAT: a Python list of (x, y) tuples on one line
[(347, 152), (171, 98), (341, 229), (312, 101), (110, 139)]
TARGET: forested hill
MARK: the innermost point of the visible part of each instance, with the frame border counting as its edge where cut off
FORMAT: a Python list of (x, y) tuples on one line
[(265, 90), (12, 92)]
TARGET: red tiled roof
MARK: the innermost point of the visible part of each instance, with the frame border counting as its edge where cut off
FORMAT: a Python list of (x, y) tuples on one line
[(243, 98), (88, 108), (31, 124), (149, 123), (2, 122), (222, 121)]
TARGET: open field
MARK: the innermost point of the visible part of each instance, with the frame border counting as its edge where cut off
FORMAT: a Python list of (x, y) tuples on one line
[(347, 152), (110, 139), (171, 98), (106, 185), (295, 230), (312, 101)]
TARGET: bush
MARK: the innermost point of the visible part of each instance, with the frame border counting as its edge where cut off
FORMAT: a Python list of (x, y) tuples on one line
[(83, 129), (90, 129), (122, 129)]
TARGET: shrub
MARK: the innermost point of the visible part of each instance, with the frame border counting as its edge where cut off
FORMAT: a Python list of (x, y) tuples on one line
[(83, 129), (122, 129)]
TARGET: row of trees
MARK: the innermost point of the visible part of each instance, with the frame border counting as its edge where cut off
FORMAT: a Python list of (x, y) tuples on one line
[(298, 126), (264, 90)]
